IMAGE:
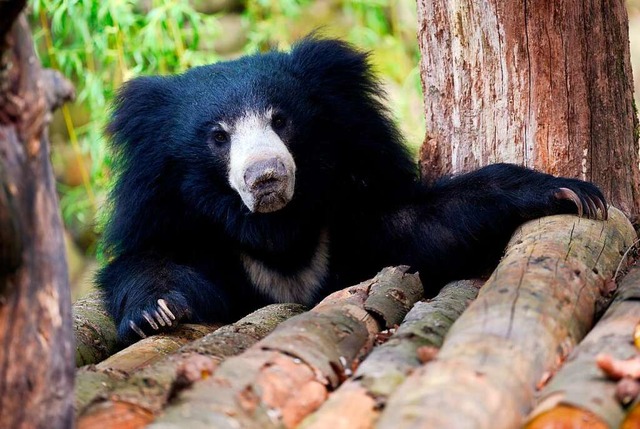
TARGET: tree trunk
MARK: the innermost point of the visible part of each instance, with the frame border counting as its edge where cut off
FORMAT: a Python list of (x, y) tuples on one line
[(36, 357), (543, 84)]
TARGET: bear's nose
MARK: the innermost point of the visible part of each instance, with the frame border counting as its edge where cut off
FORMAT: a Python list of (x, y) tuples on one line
[(265, 175)]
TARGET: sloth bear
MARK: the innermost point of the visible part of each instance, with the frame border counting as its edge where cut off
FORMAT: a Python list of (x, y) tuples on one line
[(280, 177)]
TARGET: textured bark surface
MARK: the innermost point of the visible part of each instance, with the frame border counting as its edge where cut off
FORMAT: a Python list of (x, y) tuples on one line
[(36, 357), (153, 348), (288, 375), (538, 303), (543, 84), (357, 403), (137, 398), (579, 395)]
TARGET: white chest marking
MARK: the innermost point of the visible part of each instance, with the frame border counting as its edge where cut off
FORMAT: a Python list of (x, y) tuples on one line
[(302, 286)]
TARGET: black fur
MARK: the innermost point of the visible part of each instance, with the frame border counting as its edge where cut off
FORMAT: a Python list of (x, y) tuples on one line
[(177, 229)]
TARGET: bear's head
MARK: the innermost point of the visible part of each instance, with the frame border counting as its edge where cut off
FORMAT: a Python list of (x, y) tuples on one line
[(263, 135)]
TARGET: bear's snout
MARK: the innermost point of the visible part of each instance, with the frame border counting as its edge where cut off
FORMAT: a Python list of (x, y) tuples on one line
[(269, 183), (265, 176)]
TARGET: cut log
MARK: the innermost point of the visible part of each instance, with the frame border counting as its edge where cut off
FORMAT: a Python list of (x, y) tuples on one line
[(357, 402), (94, 381), (135, 400), (536, 305), (94, 330), (286, 376), (154, 348), (579, 396)]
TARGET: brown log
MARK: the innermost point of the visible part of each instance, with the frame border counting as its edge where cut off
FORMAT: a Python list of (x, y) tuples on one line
[(94, 381), (539, 302), (94, 329), (358, 401), (138, 398), (286, 376), (154, 348), (579, 394), (545, 84), (36, 357)]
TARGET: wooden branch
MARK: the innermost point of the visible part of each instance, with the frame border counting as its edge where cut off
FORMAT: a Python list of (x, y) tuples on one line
[(357, 402), (578, 396), (135, 400), (94, 329), (58, 89), (154, 348), (390, 301), (286, 376), (94, 381), (537, 304)]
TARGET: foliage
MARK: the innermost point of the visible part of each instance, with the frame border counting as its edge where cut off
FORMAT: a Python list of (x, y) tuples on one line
[(99, 45)]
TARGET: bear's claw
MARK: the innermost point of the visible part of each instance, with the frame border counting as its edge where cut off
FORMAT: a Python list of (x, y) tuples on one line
[(166, 314), (136, 329), (157, 319), (591, 206)]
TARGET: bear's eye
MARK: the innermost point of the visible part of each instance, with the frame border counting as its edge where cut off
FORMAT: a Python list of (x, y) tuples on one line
[(220, 137), (278, 121)]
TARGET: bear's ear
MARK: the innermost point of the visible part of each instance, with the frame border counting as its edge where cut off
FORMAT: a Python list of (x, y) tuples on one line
[(140, 111), (329, 64)]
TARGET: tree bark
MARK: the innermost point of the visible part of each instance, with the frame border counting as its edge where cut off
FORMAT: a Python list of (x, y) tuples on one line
[(139, 398), (94, 330), (36, 357), (543, 84), (538, 303)]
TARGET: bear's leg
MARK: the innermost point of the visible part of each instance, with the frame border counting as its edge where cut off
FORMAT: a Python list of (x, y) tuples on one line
[(146, 294), (459, 227)]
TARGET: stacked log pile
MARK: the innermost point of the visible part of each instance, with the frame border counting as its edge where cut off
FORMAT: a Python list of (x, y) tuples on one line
[(375, 355)]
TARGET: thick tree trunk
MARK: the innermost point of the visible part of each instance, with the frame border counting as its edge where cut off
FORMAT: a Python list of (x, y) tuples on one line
[(36, 357), (543, 84)]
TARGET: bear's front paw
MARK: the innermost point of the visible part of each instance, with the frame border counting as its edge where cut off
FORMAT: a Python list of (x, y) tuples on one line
[(582, 198), (158, 315)]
